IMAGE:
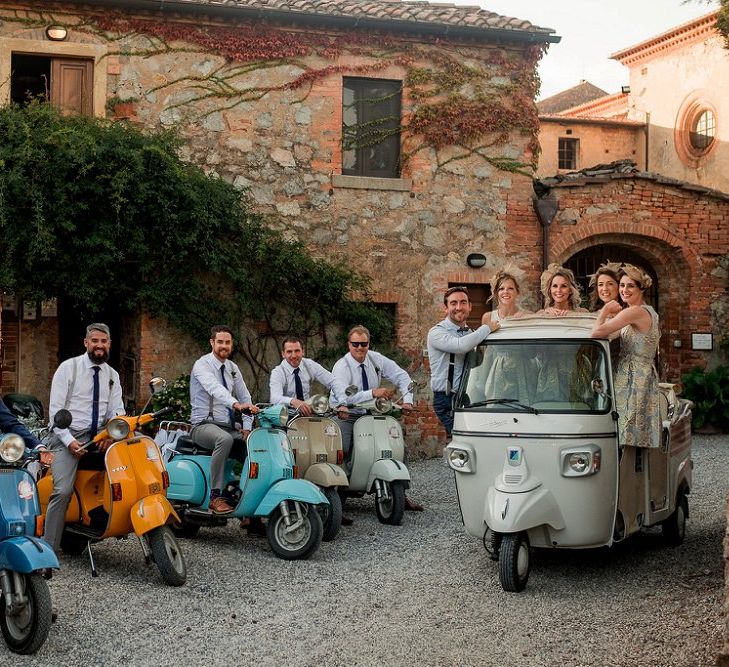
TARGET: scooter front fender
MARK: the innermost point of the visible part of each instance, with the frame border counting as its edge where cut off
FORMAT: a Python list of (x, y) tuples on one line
[(388, 470), (290, 489), (26, 554), (326, 475), (514, 512), (152, 512)]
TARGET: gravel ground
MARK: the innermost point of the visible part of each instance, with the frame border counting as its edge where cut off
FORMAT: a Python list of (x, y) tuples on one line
[(423, 593)]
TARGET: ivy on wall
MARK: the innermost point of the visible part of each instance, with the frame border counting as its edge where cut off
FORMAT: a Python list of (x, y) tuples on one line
[(470, 101)]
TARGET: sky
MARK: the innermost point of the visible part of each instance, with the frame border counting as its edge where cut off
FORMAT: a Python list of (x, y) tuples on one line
[(591, 30)]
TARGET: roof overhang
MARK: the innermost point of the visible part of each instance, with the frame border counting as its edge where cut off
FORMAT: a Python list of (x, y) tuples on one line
[(580, 120), (319, 19)]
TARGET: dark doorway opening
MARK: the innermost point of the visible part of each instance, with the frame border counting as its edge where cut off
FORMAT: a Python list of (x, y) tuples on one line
[(30, 78), (72, 323), (586, 262)]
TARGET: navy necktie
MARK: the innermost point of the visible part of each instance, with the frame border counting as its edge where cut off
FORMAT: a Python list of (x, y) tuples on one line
[(95, 403), (298, 385), (231, 412), (365, 383)]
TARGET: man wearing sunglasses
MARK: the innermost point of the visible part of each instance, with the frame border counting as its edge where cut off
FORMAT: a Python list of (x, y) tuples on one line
[(365, 368), (448, 343)]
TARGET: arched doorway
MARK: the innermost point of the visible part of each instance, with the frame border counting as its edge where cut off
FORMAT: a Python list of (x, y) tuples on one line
[(586, 262)]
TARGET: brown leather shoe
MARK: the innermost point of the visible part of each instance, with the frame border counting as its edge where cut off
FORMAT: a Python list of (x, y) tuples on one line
[(412, 506), (220, 506)]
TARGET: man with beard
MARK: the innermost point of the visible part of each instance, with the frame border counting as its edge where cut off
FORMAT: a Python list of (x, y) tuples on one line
[(90, 389), (217, 391)]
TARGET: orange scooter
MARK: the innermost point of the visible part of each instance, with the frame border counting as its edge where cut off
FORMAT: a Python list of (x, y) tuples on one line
[(124, 495)]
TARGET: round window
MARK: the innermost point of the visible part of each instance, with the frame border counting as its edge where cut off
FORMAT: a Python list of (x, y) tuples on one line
[(701, 134), (695, 134)]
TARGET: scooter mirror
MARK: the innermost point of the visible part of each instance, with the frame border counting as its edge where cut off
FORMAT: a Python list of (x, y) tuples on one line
[(62, 419), (351, 390), (157, 384), (412, 387)]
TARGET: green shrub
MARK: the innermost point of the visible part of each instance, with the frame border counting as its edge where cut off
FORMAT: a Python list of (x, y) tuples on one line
[(177, 398), (709, 390)]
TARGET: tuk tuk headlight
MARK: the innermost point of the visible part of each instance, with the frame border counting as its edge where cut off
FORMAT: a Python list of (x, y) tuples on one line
[(460, 459), (582, 461), (118, 429), (12, 448)]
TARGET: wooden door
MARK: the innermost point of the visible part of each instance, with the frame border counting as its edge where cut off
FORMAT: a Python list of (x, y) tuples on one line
[(71, 85)]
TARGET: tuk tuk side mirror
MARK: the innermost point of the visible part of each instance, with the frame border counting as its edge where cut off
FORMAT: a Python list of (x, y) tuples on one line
[(62, 418), (157, 385)]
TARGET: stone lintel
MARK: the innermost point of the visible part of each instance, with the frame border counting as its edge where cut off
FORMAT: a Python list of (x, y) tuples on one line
[(371, 183)]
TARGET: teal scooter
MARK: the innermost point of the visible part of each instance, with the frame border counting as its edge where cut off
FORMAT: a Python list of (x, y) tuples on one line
[(266, 487)]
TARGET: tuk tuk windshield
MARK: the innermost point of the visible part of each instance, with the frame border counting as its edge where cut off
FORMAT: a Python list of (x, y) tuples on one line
[(549, 376)]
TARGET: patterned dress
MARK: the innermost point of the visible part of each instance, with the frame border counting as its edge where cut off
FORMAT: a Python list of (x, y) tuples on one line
[(636, 386)]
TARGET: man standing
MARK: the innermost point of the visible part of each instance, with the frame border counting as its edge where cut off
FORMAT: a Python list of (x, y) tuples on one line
[(90, 389), (290, 381), (448, 343), (217, 390), (365, 368)]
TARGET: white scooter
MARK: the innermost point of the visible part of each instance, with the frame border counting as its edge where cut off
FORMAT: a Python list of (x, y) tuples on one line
[(376, 460)]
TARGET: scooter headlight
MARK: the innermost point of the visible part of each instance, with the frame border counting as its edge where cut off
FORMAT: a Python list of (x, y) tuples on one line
[(319, 404), (12, 448), (460, 459), (118, 429), (581, 462), (283, 416), (383, 405)]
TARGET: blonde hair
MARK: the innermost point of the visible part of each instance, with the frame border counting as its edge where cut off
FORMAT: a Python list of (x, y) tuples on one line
[(548, 276), (498, 280)]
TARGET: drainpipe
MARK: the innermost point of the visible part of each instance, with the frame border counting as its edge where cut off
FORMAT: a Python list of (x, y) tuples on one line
[(546, 207), (647, 137)]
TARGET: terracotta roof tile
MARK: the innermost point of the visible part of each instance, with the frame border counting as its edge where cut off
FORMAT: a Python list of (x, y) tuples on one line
[(443, 13), (577, 95)]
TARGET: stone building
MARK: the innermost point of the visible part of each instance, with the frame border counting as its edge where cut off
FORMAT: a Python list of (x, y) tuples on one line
[(397, 136)]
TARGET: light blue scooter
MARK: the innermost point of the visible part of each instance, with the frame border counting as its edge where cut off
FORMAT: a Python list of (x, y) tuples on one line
[(25, 605), (265, 489)]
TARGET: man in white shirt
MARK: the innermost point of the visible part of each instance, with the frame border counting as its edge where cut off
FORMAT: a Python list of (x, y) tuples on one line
[(217, 390), (90, 388), (365, 368), (448, 343), (290, 381)]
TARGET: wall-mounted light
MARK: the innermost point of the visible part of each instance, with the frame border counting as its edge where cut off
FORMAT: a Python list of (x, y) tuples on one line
[(625, 89), (57, 33), (476, 260)]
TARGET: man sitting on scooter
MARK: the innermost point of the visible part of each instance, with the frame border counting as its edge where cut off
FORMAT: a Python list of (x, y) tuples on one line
[(217, 390), (90, 389), (290, 381), (365, 368)]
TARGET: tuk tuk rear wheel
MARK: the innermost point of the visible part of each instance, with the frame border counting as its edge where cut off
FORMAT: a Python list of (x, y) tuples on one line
[(27, 630), (514, 562), (674, 527), (390, 510), (299, 544), (167, 556), (333, 520)]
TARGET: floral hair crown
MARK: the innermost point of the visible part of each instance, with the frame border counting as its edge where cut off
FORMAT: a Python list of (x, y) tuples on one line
[(637, 274), (607, 266)]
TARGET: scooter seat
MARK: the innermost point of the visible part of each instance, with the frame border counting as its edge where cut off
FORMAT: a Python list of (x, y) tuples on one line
[(186, 445)]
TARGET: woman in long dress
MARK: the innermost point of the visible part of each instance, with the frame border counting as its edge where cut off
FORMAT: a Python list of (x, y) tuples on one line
[(636, 380)]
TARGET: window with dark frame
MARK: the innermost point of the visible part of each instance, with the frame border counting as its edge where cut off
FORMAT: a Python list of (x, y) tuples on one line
[(567, 153), (67, 83), (371, 127)]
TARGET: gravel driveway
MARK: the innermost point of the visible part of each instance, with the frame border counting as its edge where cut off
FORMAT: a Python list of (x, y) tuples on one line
[(421, 594)]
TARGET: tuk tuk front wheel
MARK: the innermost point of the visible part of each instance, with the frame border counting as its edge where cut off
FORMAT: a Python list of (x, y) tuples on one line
[(333, 519), (390, 509), (674, 527), (167, 556), (25, 629), (295, 542), (514, 562)]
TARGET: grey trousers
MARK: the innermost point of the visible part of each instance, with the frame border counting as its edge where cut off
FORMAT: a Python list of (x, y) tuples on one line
[(63, 469), (347, 428), (221, 441)]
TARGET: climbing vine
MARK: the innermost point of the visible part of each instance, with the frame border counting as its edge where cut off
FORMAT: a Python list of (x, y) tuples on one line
[(470, 101)]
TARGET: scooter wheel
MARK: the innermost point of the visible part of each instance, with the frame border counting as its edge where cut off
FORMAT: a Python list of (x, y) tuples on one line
[(390, 510), (514, 562), (333, 519), (167, 556), (298, 543), (27, 630)]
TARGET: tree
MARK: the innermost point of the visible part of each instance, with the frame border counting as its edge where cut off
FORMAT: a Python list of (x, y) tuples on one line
[(103, 213)]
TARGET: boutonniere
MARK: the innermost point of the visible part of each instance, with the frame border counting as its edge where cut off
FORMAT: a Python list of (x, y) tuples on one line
[(111, 384), (233, 374)]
